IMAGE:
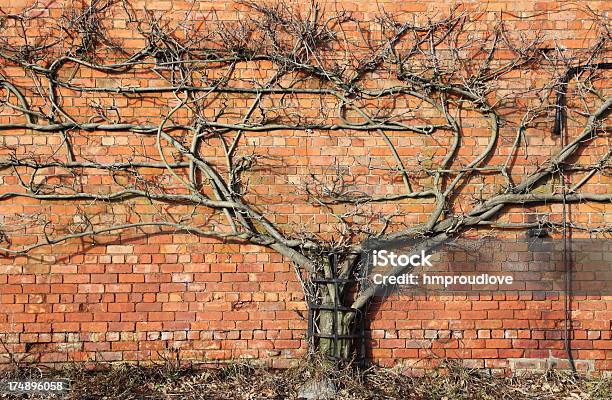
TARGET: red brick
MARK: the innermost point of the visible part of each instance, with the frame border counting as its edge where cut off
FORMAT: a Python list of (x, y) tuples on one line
[(133, 295)]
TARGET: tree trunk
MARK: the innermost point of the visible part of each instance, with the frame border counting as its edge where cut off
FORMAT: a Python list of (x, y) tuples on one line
[(332, 329)]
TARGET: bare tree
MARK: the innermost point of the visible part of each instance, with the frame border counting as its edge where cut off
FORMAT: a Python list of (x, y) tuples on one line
[(225, 89)]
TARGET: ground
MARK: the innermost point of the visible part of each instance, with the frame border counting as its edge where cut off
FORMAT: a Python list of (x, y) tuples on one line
[(242, 381)]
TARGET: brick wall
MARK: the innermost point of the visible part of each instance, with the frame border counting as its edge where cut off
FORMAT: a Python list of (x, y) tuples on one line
[(136, 297)]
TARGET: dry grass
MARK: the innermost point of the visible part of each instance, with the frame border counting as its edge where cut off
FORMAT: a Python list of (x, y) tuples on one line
[(242, 381)]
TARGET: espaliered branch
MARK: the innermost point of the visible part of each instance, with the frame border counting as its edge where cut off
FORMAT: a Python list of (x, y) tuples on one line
[(216, 90)]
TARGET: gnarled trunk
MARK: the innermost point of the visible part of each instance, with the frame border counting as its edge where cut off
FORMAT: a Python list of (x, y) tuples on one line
[(334, 331)]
